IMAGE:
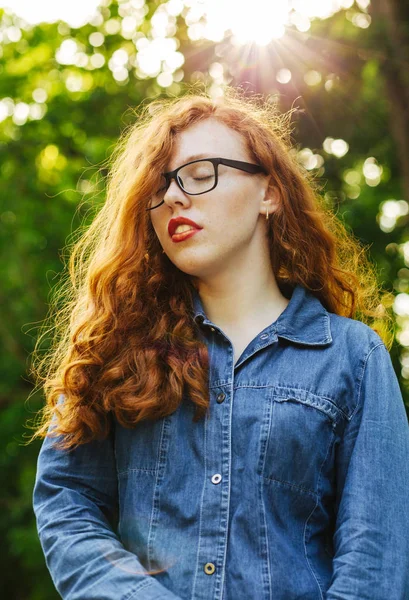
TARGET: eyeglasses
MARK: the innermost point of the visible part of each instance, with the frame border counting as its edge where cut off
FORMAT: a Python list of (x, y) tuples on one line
[(198, 177)]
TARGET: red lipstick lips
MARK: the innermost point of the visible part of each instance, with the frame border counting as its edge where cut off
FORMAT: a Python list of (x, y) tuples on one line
[(174, 223), (180, 237)]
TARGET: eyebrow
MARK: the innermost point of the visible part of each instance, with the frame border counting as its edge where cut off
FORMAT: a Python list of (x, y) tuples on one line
[(194, 157)]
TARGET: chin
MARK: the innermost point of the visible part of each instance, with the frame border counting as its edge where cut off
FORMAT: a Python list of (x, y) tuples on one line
[(190, 270), (196, 265), (195, 268)]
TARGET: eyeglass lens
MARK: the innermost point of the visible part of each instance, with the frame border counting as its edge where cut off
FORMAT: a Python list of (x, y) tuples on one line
[(196, 178)]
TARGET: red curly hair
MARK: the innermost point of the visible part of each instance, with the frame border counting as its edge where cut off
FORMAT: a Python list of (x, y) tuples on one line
[(125, 343)]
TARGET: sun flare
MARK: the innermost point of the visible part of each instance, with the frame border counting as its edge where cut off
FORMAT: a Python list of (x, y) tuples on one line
[(258, 21)]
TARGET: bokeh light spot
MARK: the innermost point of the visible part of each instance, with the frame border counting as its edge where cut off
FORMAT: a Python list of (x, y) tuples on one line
[(283, 76), (96, 39)]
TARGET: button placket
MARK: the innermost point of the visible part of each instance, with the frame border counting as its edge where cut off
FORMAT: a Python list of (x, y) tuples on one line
[(214, 505)]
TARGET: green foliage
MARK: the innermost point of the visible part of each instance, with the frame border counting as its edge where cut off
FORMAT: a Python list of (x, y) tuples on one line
[(53, 162)]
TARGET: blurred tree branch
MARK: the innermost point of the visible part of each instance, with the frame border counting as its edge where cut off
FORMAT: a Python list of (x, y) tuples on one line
[(391, 23)]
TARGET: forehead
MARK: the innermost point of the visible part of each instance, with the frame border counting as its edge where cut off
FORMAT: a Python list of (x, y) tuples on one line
[(208, 139)]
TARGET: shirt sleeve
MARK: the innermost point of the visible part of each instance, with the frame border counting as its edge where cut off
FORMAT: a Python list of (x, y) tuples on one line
[(371, 539), (75, 502)]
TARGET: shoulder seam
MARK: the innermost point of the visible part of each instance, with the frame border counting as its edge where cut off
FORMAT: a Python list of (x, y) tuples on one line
[(362, 377)]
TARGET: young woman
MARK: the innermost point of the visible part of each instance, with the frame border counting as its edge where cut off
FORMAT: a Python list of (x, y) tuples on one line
[(221, 426)]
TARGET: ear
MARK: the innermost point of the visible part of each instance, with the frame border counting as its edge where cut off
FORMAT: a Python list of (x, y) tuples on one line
[(270, 200)]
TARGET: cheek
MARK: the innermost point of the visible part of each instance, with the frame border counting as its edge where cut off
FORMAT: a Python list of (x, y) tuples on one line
[(238, 208), (240, 193), (159, 226)]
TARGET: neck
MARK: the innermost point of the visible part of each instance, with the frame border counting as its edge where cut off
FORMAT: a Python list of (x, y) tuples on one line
[(251, 301)]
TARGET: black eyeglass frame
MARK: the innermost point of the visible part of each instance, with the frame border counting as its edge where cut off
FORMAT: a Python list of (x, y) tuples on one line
[(235, 164)]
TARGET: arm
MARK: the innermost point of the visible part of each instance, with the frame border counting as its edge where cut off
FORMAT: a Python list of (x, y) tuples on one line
[(371, 537), (76, 505)]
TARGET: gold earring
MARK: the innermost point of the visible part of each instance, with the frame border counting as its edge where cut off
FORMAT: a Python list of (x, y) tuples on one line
[(267, 214)]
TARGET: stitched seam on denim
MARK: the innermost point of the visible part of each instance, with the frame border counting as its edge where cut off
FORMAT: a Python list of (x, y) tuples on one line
[(330, 399), (223, 382), (286, 388), (291, 485), (264, 445), (362, 378), (304, 342), (155, 500), (273, 386), (201, 506), (305, 549), (330, 445), (136, 470), (305, 401), (328, 326), (218, 384), (140, 587), (229, 492), (265, 536), (289, 389)]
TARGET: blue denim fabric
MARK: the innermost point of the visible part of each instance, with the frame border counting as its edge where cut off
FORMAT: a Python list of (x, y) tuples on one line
[(294, 486)]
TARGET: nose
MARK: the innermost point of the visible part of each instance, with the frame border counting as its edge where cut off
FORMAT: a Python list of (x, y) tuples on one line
[(174, 195)]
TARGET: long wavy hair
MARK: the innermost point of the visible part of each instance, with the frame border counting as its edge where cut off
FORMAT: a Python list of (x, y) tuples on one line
[(124, 342)]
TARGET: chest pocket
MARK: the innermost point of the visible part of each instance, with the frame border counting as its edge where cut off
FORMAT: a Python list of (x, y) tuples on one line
[(143, 448), (297, 438)]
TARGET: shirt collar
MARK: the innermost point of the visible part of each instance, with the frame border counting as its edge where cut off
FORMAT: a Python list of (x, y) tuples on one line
[(303, 321)]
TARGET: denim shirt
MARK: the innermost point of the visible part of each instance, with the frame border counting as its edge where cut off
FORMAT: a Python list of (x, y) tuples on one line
[(295, 485)]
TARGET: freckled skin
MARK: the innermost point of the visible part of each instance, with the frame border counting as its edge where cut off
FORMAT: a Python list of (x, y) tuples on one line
[(232, 215)]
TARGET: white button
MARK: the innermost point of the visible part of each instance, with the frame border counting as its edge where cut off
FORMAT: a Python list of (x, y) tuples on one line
[(216, 478), (212, 328)]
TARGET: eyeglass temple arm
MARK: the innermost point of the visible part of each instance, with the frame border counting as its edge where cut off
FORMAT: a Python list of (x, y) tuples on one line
[(243, 166)]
